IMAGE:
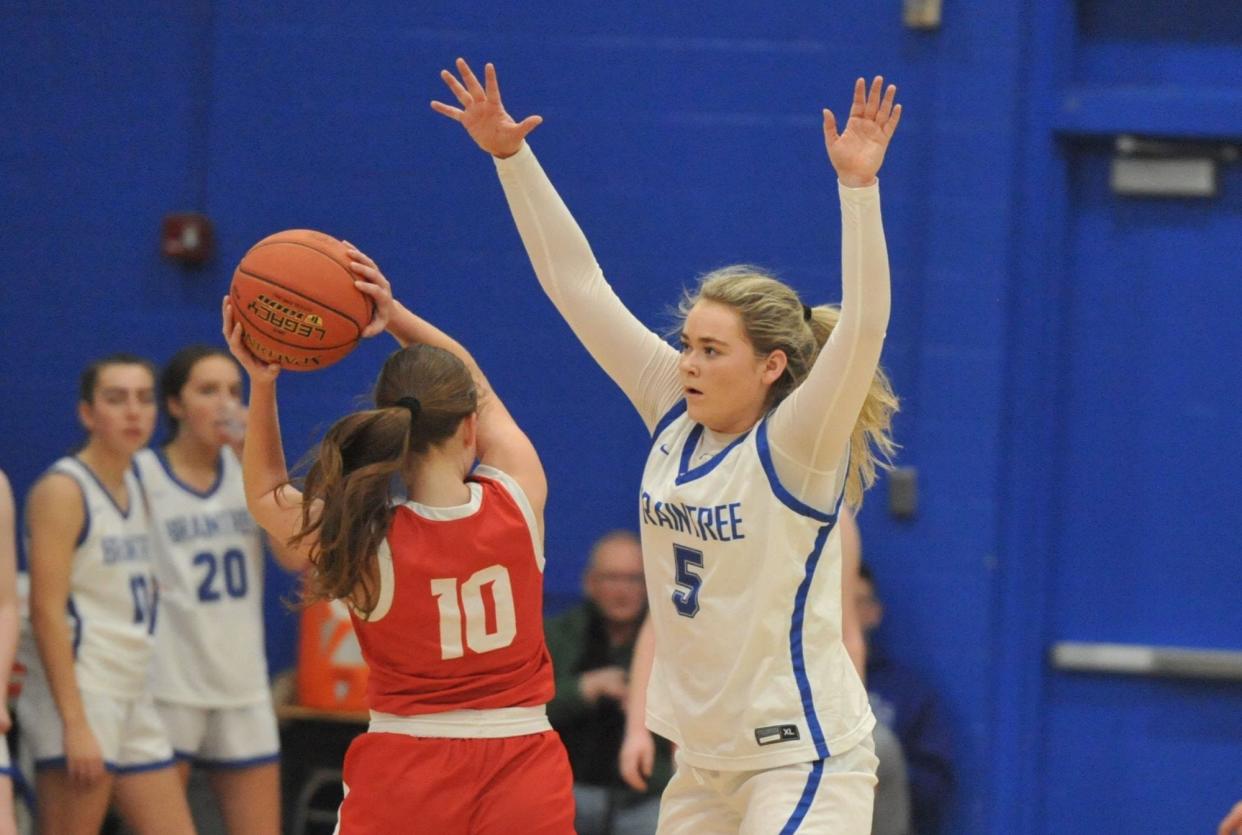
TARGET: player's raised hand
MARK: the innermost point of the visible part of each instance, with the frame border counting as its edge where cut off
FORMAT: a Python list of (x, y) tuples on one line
[(371, 281), (482, 114), (259, 371), (858, 152)]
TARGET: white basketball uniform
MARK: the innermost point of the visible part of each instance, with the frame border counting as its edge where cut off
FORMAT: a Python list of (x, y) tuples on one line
[(210, 676), (112, 611), (744, 582), (751, 678)]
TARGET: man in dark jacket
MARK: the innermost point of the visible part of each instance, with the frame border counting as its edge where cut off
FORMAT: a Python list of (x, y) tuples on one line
[(591, 645)]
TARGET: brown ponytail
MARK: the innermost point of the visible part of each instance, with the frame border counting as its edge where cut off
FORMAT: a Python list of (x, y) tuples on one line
[(348, 493)]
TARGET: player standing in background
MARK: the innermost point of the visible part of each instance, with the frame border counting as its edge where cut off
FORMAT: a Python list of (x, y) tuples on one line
[(211, 680), (771, 414), (444, 582), (85, 708)]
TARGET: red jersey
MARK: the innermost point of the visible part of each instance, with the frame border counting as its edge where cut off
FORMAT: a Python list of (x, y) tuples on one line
[(459, 619)]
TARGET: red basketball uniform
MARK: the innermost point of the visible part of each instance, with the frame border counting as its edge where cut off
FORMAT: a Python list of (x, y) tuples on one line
[(459, 676)]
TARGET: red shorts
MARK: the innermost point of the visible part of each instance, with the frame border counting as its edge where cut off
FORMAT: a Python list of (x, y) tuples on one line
[(408, 784)]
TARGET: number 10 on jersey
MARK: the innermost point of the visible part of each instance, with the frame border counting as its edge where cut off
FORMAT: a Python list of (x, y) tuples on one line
[(473, 610)]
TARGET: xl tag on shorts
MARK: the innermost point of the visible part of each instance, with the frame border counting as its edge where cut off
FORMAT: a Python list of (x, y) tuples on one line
[(772, 734)]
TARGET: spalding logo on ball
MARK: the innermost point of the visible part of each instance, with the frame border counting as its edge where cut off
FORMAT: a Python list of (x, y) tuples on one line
[(294, 294)]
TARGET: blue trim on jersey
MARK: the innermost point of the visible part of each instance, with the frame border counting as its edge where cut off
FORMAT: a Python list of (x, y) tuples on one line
[(77, 626), (162, 457), (124, 513), (805, 801), (788, 499), (684, 474), (679, 408), (795, 643), (63, 469), (227, 765), (6, 771), (86, 515)]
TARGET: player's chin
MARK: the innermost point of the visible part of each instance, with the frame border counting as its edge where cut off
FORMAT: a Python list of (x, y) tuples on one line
[(130, 441), (695, 408)]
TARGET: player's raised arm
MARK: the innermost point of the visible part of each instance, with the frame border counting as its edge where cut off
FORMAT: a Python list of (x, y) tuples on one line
[(501, 442), (272, 501), (639, 361)]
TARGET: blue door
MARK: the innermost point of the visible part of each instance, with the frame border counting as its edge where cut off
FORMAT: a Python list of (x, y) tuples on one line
[(1147, 542)]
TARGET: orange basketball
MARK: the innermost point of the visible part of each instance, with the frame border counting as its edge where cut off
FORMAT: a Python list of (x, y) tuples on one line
[(294, 295)]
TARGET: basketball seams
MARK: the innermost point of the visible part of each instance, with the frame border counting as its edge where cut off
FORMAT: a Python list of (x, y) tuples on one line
[(240, 311), (317, 251), (315, 302)]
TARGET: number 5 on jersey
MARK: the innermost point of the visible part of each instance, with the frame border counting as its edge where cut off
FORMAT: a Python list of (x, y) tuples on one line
[(472, 608), (686, 597)]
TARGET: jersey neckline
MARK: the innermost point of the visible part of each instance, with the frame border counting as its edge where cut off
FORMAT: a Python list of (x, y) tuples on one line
[(161, 456), (129, 493), (686, 473), (449, 514)]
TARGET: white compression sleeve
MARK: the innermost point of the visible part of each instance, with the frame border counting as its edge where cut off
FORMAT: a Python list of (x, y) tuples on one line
[(810, 429), (639, 361)]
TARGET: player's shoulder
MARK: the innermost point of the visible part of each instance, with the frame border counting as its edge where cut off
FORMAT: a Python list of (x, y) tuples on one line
[(57, 483)]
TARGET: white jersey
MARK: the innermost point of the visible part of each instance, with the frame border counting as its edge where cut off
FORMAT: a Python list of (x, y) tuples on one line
[(209, 560), (744, 583), (112, 592)]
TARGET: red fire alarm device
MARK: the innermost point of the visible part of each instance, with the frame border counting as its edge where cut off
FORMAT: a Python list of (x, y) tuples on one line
[(187, 237)]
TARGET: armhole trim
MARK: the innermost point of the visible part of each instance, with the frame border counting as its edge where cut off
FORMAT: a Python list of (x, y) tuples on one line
[(387, 584), (780, 490), (510, 485), (66, 469)]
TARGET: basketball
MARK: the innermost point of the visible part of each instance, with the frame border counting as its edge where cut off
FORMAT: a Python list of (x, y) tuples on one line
[(294, 295)]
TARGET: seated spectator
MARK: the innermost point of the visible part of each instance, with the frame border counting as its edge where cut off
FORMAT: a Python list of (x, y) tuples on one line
[(891, 813), (901, 699), (591, 646)]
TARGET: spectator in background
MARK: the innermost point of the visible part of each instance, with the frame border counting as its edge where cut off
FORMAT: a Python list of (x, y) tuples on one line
[(892, 790), (905, 702), (591, 646)]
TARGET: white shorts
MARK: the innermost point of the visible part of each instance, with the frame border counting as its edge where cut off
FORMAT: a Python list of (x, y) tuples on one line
[(129, 731), (833, 796), (6, 764), (230, 737)]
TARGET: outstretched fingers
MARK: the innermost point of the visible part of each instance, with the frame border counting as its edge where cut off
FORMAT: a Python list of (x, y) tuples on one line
[(528, 124), (491, 84), (873, 97), (830, 128), (471, 80), (890, 126), (885, 111), (860, 98), (455, 87)]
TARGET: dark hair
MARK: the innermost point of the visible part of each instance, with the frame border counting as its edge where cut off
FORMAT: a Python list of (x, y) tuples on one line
[(176, 373), (353, 470), (89, 380)]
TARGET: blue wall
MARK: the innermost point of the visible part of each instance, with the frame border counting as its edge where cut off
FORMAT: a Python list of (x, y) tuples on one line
[(683, 141)]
